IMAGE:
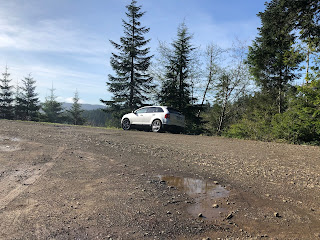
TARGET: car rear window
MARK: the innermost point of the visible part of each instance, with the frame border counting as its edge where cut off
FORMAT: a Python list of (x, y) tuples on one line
[(172, 110), (154, 109), (158, 109)]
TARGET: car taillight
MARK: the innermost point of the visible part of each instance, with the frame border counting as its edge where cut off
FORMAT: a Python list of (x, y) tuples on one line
[(167, 116)]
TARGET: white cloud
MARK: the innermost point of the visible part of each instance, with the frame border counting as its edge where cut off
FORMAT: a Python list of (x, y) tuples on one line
[(22, 30), (69, 100), (49, 36)]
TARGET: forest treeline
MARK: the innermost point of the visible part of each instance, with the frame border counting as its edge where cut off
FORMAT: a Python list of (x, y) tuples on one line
[(21, 102), (267, 91)]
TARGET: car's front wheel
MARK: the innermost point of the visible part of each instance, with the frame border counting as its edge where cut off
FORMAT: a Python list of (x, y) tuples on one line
[(156, 126), (126, 124)]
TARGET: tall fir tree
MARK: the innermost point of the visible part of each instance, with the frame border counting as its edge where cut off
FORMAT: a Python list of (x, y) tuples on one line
[(76, 111), (27, 103), (18, 103), (131, 83), (52, 108), (305, 17), (272, 59), (6, 96), (175, 91)]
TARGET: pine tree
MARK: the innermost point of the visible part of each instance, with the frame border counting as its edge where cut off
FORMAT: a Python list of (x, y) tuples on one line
[(272, 59), (305, 17), (27, 102), (132, 83), (52, 108), (18, 103), (175, 89), (6, 96), (76, 111)]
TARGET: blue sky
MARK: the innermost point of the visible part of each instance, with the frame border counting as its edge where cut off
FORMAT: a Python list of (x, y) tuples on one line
[(65, 43)]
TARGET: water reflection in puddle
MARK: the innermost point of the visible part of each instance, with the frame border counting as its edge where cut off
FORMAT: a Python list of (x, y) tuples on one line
[(204, 193)]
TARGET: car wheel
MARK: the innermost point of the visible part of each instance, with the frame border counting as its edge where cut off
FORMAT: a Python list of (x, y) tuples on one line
[(126, 124), (156, 125)]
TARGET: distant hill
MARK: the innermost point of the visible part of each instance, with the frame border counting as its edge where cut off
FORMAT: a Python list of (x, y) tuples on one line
[(86, 107)]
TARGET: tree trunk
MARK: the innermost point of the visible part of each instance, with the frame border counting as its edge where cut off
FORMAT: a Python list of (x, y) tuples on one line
[(223, 113), (307, 67), (208, 84)]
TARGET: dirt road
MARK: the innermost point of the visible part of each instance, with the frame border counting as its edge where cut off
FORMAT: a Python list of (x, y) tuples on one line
[(65, 182)]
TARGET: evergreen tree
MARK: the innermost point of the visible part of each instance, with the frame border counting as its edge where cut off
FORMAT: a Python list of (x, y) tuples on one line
[(52, 108), (18, 103), (272, 58), (76, 111), (6, 96), (305, 17), (176, 86), (131, 83), (175, 90), (27, 102)]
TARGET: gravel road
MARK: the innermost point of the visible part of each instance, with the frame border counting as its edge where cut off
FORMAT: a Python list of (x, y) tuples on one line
[(68, 182)]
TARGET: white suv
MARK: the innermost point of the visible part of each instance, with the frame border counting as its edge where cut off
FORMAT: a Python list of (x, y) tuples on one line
[(157, 118)]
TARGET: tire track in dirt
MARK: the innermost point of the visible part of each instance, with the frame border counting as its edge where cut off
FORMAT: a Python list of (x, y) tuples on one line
[(4, 201)]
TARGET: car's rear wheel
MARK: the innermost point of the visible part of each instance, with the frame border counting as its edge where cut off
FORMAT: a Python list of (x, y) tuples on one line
[(156, 126), (126, 124)]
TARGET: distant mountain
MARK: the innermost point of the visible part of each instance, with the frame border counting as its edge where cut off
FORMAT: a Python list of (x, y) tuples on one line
[(87, 107)]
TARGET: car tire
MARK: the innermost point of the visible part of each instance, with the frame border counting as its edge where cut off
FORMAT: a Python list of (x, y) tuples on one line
[(156, 126), (126, 125)]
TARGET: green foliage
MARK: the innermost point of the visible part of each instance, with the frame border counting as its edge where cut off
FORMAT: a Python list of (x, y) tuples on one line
[(76, 111), (176, 83), (27, 103), (6, 96), (96, 117), (256, 119), (305, 16), (132, 83), (211, 116), (272, 59), (301, 122), (175, 90), (52, 109)]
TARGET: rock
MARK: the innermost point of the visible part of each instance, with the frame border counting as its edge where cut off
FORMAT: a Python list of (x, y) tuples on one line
[(200, 215), (229, 216), (168, 212), (215, 205), (276, 214), (317, 235)]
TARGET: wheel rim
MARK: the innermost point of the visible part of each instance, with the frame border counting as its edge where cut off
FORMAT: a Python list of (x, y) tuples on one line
[(126, 124), (156, 126)]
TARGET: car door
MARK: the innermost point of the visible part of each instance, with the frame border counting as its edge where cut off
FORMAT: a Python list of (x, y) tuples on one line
[(138, 115), (149, 115)]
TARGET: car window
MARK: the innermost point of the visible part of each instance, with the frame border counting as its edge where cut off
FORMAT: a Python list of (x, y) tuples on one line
[(158, 109), (172, 110), (142, 110), (151, 109)]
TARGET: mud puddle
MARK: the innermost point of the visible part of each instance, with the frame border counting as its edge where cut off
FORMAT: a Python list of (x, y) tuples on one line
[(205, 194)]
